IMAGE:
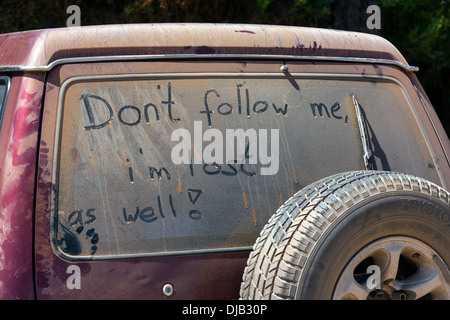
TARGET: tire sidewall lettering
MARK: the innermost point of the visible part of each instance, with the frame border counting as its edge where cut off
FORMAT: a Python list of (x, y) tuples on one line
[(366, 222)]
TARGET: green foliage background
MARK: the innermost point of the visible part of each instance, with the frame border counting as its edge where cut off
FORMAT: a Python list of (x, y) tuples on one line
[(418, 28)]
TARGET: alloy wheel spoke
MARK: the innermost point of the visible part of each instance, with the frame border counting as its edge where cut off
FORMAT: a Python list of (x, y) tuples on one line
[(420, 284), (351, 289), (391, 262)]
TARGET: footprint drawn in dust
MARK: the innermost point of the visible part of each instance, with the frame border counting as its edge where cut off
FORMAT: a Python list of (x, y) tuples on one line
[(80, 221), (90, 233)]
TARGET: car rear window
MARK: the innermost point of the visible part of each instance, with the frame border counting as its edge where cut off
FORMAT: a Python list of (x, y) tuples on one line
[(156, 165), (4, 88)]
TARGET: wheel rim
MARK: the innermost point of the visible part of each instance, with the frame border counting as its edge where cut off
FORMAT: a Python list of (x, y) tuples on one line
[(394, 268)]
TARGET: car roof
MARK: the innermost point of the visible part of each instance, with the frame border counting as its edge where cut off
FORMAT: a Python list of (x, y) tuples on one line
[(40, 49)]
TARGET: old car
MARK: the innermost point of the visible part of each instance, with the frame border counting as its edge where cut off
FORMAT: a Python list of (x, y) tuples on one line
[(218, 161)]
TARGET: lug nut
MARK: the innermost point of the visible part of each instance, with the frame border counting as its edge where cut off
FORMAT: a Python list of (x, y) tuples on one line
[(398, 295)]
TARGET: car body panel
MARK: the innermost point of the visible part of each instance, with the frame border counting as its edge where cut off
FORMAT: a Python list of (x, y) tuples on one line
[(41, 61), (42, 47), (19, 146)]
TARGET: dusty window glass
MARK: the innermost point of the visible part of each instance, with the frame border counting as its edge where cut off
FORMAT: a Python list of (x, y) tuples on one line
[(150, 166), (395, 136), (4, 88)]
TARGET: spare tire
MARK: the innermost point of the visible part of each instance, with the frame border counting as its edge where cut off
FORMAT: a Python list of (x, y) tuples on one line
[(327, 241)]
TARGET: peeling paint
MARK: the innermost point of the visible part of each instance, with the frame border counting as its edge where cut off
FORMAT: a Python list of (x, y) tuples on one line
[(244, 31), (294, 175), (180, 186), (17, 182), (254, 217), (244, 196)]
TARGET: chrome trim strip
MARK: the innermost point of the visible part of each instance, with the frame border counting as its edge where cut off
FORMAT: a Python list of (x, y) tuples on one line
[(120, 256), (7, 80), (48, 67)]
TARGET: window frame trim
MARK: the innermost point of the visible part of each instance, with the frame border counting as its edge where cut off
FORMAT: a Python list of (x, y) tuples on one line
[(151, 76), (3, 102)]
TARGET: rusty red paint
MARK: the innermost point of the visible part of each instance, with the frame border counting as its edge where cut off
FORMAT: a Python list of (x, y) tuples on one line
[(17, 177)]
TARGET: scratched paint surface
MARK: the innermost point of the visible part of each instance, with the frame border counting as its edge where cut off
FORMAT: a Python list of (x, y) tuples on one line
[(120, 191), (17, 170)]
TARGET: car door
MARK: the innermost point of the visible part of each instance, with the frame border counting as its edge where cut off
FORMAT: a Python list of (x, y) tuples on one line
[(155, 177)]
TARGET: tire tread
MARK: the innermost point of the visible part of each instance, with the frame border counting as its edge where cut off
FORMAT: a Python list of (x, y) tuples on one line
[(275, 264)]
